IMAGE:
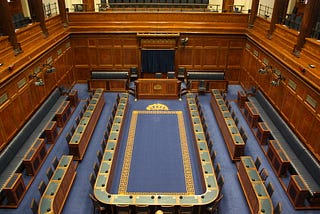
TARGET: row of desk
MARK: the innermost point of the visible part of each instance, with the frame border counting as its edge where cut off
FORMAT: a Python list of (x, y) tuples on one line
[(253, 187), (251, 114), (297, 190), (15, 188), (110, 156), (229, 130), (57, 190), (82, 135), (105, 174), (205, 163)]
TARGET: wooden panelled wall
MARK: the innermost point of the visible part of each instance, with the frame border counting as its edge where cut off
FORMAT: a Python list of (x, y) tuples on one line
[(297, 102), (19, 96), (122, 51)]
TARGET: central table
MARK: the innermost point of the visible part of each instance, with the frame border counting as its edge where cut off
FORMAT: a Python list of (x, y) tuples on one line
[(135, 188)]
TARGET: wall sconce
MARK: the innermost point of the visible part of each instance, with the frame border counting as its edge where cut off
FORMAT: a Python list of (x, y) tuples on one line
[(277, 80), (38, 80), (265, 70), (184, 41), (50, 68)]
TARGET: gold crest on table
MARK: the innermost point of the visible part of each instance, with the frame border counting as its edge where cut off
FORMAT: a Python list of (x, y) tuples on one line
[(157, 107)]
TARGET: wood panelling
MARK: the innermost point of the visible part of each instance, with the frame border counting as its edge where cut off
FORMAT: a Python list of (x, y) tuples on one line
[(289, 104), (289, 98), (104, 52), (6, 50), (10, 126), (285, 37), (204, 52), (219, 23), (314, 136), (24, 97)]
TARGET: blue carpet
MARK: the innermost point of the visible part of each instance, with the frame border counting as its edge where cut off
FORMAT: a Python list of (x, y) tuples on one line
[(156, 164), (142, 105), (233, 201)]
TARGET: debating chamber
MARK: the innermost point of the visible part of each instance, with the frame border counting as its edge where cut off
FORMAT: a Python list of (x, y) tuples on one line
[(160, 106)]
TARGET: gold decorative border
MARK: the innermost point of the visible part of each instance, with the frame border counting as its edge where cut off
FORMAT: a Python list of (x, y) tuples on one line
[(123, 185)]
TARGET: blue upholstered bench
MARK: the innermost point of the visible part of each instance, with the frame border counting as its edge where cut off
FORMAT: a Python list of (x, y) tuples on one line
[(209, 80), (109, 80), (12, 156), (301, 159), (204, 75), (109, 74)]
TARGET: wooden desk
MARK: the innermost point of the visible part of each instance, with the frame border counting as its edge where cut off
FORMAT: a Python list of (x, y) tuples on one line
[(229, 130), (35, 156), (108, 165), (158, 88), (74, 98), (278, 158), (297, 191), (251, 114), (14, 189), (253, 188), (56, 193), (82, 135), (114, 85), (242, 98), (263, 133), (51, 132), (63, 113)]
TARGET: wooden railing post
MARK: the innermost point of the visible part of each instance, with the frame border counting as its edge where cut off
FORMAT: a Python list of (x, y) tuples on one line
[(254, 12), (37, 14), (8, 29), (279, 10), (309, 20)]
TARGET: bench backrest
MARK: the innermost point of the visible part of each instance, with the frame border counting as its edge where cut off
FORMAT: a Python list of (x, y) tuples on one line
[(109, 74), (296, 145), (208, 75)]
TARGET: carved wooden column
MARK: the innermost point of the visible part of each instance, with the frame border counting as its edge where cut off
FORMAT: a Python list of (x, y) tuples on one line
[(309, 20), (226, 5), (62, 11), (279, 9), (254, 12), (6, 23), (37, 14)]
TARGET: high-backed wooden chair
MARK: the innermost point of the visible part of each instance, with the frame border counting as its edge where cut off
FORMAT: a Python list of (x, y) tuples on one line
[(220, 182), (34, 206), (55, 162), (184, 209), (202, 87), (99, 155), (217, 169), (158, 75), (264, 174), (213, 156), (278, 208), (236, 121), (214, 207), (92, 179), (270, 189), (97, 206), (49, 172), (257, 162), (42, 187), (95, 168)]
